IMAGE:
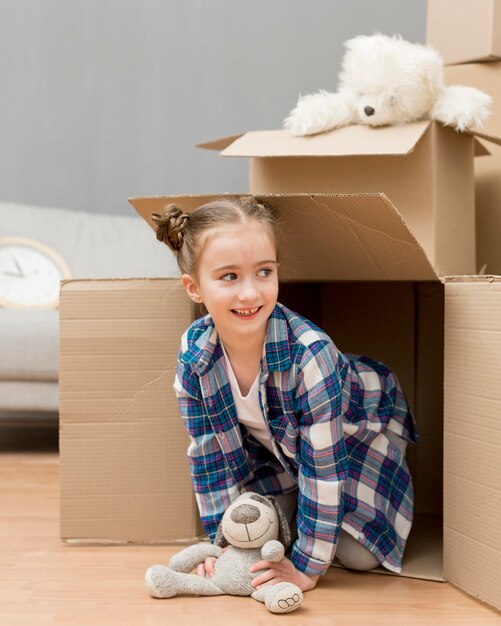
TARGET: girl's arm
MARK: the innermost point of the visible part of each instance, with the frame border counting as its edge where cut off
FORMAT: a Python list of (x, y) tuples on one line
[(323, 391), (213, 484)]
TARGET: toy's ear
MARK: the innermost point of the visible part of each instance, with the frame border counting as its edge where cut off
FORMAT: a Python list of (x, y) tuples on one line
[(220, 540), (284, 533)]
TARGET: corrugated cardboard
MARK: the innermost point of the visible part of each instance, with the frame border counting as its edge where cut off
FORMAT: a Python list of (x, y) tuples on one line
[(425, 169), (472, 445), (465, 31), (486, 76), (357, 227), (429, 394), (124, 474)]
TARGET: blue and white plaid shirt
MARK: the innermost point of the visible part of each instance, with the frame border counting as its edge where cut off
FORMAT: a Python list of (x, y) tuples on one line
[(326, 415)]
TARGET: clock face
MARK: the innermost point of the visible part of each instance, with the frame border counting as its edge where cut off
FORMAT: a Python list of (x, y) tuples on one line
[(30, 274)]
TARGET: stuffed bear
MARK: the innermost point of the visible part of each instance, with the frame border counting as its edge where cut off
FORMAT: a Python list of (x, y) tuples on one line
[(255, 528), (387, 80)]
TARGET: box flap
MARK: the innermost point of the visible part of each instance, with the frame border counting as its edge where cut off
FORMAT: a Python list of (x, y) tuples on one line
[(354, 140), (330, 236), (348, 141), (472, 435), (118, 346), (488, 137), (479, 149), (219, 144)]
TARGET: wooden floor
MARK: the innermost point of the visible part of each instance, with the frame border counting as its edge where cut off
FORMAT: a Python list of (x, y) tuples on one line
[(43, 581)]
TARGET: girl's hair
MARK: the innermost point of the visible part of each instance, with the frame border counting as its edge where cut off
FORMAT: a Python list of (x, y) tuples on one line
[(186, 233)]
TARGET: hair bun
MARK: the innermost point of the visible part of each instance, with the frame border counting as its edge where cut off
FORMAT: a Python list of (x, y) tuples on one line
[(171, 226)]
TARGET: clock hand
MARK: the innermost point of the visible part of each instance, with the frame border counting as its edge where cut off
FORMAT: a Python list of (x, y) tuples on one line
[(18, 266), (12, 274)]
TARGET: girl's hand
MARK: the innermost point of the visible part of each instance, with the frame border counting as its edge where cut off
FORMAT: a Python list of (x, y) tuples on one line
[(285, 571), (206, 569)]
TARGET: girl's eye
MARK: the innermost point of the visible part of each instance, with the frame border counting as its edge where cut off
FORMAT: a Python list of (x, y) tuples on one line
[(229, 277), (265, 272)]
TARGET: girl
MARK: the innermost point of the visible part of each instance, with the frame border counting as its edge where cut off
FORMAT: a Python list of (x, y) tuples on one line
[(271, 405)]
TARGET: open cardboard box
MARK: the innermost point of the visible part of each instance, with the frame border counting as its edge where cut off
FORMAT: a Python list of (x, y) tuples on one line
[(465, 31), (425, 168), (367, 281)]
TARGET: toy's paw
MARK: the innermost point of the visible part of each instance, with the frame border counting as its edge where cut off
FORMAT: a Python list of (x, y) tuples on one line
[(159, 582), (285, 598), (462, 107), (273, 551), (317, 113)]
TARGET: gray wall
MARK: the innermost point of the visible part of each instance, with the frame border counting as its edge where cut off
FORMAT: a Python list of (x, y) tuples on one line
[(105, 99)]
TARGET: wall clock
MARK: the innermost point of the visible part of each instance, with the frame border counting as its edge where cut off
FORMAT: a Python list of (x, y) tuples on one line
[(30, 273)]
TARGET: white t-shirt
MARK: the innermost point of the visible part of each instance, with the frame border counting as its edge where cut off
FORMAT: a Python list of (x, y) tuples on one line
[(249, 411), (250, 415)]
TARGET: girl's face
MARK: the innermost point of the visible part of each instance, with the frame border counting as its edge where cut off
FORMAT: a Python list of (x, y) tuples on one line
[(237, 280)]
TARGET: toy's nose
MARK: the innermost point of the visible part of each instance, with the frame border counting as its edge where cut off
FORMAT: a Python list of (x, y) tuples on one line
[(369, 111), (245, 514)]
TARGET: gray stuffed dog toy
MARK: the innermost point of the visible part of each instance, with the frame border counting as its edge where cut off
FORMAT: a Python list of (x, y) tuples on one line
[(255, 528)]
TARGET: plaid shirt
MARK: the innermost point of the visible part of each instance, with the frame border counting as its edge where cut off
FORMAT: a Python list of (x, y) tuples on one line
[(326, 415)]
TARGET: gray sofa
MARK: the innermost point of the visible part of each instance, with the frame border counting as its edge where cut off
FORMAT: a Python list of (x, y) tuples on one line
[(94, 245)]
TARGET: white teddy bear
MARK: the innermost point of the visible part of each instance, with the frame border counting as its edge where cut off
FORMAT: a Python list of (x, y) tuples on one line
[(250, 527), (386, 80)]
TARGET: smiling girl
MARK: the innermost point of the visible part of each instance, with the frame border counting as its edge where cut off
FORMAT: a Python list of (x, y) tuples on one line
[(271, 405)]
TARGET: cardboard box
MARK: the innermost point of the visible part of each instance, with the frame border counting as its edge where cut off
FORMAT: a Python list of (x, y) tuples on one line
[(425, 169), (487, 77), (465, 31), (472, 437), (124, 474)]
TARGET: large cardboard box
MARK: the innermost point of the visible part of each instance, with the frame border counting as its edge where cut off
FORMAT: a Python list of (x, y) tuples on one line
[(123, 466), (465, 31), (424, 168), (487, 77), (122, 444)]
